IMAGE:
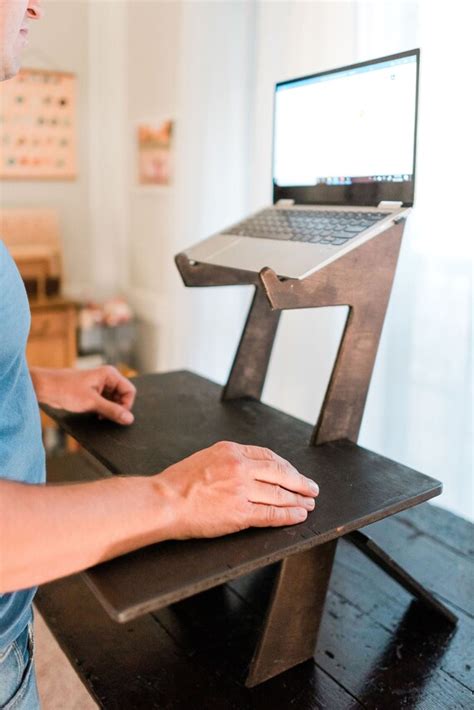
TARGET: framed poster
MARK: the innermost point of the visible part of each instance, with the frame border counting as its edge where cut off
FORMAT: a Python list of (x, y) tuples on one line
[(38, 126), (154, 150)]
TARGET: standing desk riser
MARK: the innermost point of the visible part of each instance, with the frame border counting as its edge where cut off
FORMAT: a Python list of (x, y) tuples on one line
[(179, 413)]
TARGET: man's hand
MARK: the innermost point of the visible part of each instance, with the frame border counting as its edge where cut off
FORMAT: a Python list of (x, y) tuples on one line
[(220, 490), (230, 487), (102, 390)]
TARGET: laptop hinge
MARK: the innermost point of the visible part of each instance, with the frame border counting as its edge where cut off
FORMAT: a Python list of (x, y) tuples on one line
[(389, 204), (285, 203)]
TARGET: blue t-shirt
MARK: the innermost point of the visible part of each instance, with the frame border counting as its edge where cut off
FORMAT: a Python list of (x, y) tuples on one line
[(21, 447)]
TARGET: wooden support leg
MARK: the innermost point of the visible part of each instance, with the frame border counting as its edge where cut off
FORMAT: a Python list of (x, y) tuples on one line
[(249, 369), (291, 626), (375, 553)]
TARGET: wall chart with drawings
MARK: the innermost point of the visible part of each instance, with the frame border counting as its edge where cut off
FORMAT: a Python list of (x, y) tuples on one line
[(38, 126)]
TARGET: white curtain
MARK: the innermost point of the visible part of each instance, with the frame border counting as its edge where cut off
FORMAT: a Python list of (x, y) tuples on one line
[(419, 406), (419, 410)]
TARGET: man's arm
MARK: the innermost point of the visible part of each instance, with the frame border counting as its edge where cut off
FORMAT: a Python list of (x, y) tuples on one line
[(51, 531)]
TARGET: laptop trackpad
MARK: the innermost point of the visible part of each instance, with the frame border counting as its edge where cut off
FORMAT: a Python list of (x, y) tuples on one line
[(284, 257)]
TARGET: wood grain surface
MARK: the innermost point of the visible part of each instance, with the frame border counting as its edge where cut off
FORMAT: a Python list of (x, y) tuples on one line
[(178, 413), (361, 279)]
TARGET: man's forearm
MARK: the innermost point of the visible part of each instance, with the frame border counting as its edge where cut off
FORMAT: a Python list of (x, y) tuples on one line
[(51, 531)]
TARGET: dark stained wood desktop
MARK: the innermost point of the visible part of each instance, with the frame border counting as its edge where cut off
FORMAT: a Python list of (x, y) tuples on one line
[(179, 413), (377, 648)]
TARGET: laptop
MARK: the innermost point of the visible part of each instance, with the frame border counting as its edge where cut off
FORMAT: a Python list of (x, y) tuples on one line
[(344, 144)]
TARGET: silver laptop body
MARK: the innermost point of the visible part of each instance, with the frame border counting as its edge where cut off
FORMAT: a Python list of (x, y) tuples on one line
[(344, 145)]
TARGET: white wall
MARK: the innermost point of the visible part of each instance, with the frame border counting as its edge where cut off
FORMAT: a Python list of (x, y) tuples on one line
[(153, 38), (190, 62), (86, 37), (215, 81), (108, 197), (61, 42)]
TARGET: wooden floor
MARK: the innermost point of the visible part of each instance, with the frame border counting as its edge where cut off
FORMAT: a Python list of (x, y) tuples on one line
[(377, 648), (58, 684)]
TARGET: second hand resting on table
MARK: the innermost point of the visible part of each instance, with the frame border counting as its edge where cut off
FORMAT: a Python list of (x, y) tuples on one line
[(219, 490)]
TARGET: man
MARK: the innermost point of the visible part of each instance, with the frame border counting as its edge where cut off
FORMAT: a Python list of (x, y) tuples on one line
[(49, 531)]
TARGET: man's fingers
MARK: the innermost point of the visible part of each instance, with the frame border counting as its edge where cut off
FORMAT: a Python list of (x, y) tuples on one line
[(263, 516), (113, 411), (278, 470), (128, 398), (275, 495), (258, 453), (285, 475), (118, 387)]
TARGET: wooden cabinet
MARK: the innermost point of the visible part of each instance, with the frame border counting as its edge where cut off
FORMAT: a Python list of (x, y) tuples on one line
[(52, 339), (32, 236)]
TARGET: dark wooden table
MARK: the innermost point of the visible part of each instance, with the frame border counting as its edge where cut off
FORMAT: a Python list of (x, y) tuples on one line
[(178, 413), (377, 648)]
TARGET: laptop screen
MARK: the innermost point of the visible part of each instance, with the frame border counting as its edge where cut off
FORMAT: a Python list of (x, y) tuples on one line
[(348, 136)]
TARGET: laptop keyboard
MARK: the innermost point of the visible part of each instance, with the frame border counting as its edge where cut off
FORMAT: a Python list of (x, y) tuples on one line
[(316, 227)]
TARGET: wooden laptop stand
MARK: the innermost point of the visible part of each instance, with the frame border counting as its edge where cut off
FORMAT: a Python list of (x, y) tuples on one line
[(361, 280), (357, 487)]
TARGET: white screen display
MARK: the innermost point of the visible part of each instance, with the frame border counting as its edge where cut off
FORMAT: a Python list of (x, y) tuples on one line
[(356, 125)]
